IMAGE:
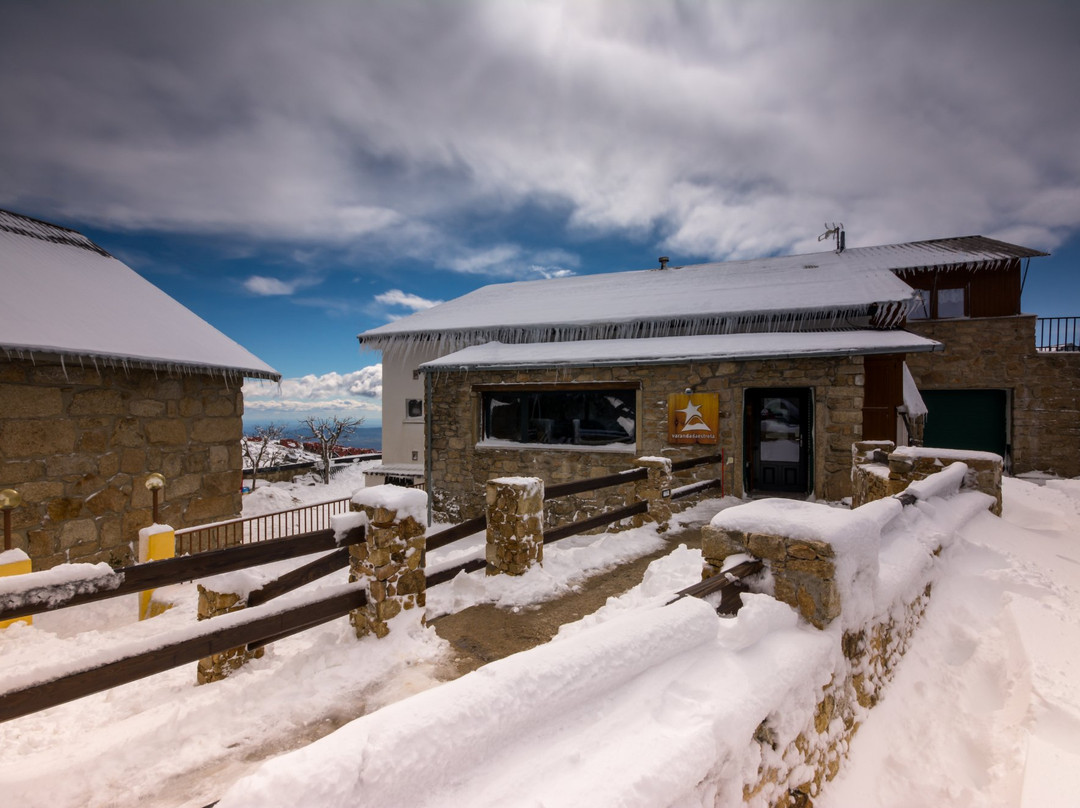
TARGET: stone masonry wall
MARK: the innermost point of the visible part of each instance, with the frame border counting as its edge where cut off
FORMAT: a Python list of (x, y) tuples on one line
[(797, 762), (999, 353), (460, 468), (78, 445), (795, 769)]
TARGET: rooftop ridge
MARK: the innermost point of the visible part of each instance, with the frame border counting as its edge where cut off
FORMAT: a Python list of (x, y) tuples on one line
[(21, 225)]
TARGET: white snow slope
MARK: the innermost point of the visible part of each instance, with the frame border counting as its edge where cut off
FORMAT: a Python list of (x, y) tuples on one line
[(983, 711)]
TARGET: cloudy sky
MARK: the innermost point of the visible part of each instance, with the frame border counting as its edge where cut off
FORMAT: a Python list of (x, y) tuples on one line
[(299, 172)]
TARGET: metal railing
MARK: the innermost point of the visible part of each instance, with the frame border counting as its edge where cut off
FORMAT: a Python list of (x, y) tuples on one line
[(1057, 334), (233, 532)]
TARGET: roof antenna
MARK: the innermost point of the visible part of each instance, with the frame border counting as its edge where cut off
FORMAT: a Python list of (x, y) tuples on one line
[(663, 261), (836, 230)]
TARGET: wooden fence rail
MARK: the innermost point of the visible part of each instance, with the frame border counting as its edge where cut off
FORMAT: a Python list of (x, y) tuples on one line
[(247, 628), (170, 571), (465, 529)]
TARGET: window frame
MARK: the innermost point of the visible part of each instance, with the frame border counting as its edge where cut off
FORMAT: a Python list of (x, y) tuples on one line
[(630, 390)]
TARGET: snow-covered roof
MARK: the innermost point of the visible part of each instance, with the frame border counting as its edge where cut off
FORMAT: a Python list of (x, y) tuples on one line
[(783, 293), (668, 350), (65, 295)]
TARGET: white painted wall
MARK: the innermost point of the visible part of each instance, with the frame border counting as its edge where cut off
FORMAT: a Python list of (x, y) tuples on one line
[(403, 436)]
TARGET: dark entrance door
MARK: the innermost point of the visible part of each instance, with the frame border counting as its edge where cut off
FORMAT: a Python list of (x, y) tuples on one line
[(778, 440), (966, 419)]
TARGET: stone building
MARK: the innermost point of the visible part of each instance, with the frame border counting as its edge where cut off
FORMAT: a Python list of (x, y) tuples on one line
[(781, 362), (105, 379)]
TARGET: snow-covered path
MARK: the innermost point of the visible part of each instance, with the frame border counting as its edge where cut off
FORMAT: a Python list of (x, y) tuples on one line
[(984, 710)]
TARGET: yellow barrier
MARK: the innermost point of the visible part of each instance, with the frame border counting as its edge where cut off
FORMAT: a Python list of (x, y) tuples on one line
[(156, 542), (14, 562)]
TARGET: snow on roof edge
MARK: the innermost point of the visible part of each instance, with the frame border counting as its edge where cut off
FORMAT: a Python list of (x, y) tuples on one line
[(916, 344), (43, 353), (630, 328)]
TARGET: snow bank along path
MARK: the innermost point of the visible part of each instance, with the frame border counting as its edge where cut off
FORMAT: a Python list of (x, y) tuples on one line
[(646, 706)]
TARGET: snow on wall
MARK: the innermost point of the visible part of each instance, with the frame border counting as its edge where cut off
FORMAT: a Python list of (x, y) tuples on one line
[(406, 501)]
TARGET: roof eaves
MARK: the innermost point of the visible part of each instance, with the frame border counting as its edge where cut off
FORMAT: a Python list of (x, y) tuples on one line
[(96, 360), (821, 353)]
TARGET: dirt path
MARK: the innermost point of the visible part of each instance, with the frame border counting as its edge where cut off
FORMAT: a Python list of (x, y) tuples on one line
[(484, 633)]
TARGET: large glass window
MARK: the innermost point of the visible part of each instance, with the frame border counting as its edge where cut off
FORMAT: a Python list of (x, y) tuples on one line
[(920, 309), (950, 303), (591, 417)]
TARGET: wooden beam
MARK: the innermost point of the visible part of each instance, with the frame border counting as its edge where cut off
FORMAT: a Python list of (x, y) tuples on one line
[(693, 488), (451, 572), (300, 576), (179, 570), (594, 484), (453, 534), (62, 689), (600, 520), (683, 465)]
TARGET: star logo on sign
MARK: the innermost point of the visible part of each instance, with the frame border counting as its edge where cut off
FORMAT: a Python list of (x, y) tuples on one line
[(694, 421)]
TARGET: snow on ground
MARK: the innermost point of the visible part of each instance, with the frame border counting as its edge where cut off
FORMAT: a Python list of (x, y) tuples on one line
[(984, 710)]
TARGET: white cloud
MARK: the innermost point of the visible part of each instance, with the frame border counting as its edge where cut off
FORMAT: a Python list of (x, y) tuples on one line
[(715, 129), (365, 383), (396, 297), (260, 285)]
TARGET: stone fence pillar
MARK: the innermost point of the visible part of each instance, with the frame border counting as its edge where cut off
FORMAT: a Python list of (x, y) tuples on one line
[(655, 490), (391, 558), (803, 569), (218, 666), (515, 524), (910, 463)]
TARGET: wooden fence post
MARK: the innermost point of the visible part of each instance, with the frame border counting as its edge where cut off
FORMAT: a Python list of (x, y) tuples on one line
[(392, 556), (515, 524), (655, 490)]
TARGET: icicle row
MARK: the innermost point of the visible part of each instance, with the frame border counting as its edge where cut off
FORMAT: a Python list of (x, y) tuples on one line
[(446, 342)]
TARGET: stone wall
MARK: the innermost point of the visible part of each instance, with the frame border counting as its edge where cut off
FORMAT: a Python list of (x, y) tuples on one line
[(78, 444), (460, 469), (999, 353), (794, 770), (796, 762)]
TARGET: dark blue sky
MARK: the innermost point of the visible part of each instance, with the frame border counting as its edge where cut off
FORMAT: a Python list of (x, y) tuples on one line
[(298, 172)]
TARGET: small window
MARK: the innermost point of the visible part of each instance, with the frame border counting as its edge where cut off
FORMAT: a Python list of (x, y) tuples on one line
[(571, 417), (920, 308), (950, 303), (414, 408)]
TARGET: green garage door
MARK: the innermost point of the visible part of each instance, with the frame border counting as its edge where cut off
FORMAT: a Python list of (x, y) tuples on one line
[(966, 419)]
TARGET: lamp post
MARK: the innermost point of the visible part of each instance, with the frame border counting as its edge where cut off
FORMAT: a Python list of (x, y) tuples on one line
[(154, 483), (9, 498)]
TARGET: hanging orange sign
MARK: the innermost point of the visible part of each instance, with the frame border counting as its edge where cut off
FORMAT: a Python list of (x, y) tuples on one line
[(694, 418)]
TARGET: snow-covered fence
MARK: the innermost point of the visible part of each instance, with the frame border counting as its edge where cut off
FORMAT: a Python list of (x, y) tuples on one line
[(70, 585), (881, 469), (232, 532), (863, 577), (651, 478)]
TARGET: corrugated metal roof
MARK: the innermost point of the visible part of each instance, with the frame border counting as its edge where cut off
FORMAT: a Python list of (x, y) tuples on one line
[(66, 296), (53, 233), (778, 293), (668, 350)]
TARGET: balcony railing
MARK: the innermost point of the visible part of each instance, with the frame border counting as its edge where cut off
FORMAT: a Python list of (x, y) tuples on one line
[(1055, 334), (233, 532)]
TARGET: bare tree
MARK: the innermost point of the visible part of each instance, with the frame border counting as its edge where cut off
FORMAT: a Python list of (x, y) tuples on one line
[(257, 448), (329, 432)]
